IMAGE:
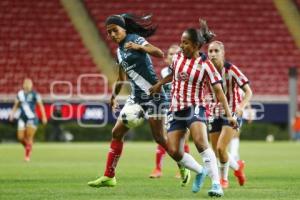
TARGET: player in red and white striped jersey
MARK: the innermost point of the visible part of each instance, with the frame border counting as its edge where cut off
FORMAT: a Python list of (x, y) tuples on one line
[(188, 75), (235, 83)]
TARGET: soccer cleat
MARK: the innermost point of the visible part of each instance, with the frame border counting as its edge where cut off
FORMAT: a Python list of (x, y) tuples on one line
[(185, 176), (103, 181), (216, 191), (155, 174), (199, 180), (239, 174), (224, 183)]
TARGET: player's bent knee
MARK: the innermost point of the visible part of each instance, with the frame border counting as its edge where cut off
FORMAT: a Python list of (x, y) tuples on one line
[(175, 154)]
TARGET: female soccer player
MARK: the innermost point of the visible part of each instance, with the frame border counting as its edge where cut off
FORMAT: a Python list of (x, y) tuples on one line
[(189, 72), (221, 132), (27, 122), (129, 33), (160, 151)]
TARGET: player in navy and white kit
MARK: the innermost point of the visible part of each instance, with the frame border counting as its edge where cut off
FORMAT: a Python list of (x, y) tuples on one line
[(189, 73), (220, 131), (135, 65), (160, 151), (27, 123)]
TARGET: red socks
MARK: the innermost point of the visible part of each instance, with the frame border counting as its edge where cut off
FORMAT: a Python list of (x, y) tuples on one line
[(28, 149), (186, 148), (160, 153), (113, 157)]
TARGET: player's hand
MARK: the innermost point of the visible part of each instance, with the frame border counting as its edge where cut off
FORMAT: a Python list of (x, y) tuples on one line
[(232, 122), (114, 104), (155, 89), (44, 120), (132, 45), (239, 111)]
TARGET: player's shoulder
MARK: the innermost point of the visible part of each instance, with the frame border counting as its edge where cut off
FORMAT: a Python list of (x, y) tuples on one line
[(134, 37), (230, 66)]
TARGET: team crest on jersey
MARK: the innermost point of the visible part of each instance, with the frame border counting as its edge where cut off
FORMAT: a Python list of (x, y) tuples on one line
[(183, 76)]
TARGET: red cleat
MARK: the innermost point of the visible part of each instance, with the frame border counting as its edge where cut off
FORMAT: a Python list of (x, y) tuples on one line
[(155, 174), (224, 183), (239, 174)]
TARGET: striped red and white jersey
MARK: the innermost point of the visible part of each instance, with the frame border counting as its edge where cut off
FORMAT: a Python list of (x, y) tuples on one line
[(189, 76), (233, 81)]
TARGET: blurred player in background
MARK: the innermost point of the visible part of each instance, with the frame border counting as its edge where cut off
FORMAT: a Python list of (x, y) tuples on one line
[(220, 131), (160, 151), (296, 126), (189, 72), (135, 65), (27, 123)]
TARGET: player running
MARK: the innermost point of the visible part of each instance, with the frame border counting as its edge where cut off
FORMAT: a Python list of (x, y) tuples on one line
[(189, 72), (27, 123), (135, 65), (220, 131)]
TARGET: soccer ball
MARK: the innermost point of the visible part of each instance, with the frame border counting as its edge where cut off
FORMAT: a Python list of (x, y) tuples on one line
[(132, 115)]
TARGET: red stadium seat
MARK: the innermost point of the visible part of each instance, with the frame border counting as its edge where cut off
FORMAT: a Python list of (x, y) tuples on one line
[(37, 40)]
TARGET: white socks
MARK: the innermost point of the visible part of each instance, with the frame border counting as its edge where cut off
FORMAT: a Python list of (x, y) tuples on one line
[(234, 148), (232, 162), (224, 168), (210, 163), (189, 162)]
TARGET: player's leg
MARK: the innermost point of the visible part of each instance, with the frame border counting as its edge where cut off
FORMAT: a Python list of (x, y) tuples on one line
[(159, 155), (186, 149), (184, 160), (21, 132), (234, 146), (223, 142), (116, 147), (199, 135), (186, 142), (31, 127)]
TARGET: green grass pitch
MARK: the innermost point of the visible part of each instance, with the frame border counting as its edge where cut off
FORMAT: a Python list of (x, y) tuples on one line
[(61, 171)]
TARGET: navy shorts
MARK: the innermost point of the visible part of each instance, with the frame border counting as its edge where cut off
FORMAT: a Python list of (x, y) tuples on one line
[(181, 120), (153, 107), (216, 124)]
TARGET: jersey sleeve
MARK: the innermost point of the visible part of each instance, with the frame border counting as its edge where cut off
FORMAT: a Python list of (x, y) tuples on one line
[(213, 75), (174, 60), (140, 40), (240, 78)]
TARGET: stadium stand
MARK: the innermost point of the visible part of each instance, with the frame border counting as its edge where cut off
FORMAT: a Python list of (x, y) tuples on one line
[(37, 40), (254, 34)]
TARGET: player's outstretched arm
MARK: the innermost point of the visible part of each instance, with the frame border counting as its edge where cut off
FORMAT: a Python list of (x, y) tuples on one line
[(13, 111), (157, 87), (246, 99), (148, 48), (117, 88)]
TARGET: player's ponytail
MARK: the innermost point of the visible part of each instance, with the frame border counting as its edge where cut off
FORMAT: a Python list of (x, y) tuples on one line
[(200, 36), (207, 34), (140, 25)]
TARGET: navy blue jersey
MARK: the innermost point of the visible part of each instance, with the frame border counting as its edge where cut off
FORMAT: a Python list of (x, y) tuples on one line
[(27, 103), (138, 67)]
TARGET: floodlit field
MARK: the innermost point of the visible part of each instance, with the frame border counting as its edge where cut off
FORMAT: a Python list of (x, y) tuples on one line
[(61, 171)]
